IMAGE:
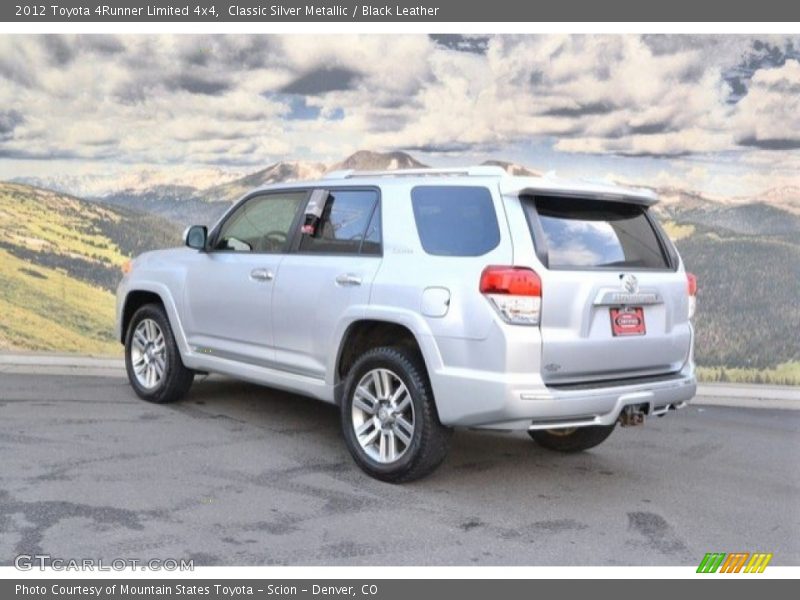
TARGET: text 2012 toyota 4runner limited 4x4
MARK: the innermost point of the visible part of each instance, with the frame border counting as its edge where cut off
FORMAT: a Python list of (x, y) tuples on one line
[(423, 300)]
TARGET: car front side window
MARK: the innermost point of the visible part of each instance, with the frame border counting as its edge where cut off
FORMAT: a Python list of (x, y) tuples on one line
[(261, 224)]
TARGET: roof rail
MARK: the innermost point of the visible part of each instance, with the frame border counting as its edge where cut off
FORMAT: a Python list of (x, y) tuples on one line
[(475, 171)]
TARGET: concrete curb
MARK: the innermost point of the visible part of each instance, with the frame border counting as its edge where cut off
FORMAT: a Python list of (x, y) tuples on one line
[(63, 360), (61, 364), (740, 395), (746, 395)]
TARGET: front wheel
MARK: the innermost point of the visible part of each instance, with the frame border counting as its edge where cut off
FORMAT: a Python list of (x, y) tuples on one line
[(389, 419), (572, 439), (152, 360)]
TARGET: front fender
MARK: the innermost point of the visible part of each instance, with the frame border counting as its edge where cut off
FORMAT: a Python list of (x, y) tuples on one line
[(129, 286)]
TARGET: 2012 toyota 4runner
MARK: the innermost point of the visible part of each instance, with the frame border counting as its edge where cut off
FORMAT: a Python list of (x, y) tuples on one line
[(419, 301)]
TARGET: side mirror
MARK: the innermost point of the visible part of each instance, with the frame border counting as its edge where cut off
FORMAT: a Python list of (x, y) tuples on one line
[(196, 237)]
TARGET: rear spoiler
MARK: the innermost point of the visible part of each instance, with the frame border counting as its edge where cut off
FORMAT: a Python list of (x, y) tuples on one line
[(545, 187)]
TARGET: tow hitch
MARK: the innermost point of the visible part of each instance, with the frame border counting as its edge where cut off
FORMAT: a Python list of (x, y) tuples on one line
[(633, 414)]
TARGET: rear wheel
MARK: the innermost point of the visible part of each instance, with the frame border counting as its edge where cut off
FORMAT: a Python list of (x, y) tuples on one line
[(389, 420), (152, 359), (572, 439)]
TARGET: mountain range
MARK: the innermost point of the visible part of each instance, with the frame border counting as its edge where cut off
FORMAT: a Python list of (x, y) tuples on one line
[(132, 180), (186, 202)]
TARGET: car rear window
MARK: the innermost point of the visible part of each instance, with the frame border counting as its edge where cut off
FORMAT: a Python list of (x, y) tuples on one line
[(580, 233), (455, 220)]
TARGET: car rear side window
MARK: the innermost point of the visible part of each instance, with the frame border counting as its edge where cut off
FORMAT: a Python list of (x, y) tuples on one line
[(455, 220), (347, 226), (581, 233)]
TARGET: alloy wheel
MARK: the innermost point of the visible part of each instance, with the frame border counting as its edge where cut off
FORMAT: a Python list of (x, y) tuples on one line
[(383, 416), (149, 354)]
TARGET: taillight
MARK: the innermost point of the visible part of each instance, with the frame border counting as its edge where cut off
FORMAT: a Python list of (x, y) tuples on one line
[(516, 293), (691, 284)]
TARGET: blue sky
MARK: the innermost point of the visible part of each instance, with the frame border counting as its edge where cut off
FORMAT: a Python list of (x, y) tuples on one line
[(720, 114)]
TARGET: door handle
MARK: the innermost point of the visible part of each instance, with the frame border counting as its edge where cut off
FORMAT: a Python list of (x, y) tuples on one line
[(262, 275), (348, 279)]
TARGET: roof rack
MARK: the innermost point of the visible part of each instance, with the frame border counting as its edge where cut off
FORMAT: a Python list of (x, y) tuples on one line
[(476, 171)]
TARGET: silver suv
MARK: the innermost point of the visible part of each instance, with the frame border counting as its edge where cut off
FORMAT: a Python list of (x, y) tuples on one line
[(423, 300)]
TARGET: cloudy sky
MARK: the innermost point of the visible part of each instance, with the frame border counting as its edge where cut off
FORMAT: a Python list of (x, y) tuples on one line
[(715, 113)]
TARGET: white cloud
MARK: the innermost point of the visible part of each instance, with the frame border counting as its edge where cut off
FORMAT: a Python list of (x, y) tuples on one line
[(218, 100), (769, 115)]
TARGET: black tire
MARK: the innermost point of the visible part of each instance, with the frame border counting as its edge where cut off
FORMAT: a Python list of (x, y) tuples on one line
[(579, 439), (430, 440), (177, 379)]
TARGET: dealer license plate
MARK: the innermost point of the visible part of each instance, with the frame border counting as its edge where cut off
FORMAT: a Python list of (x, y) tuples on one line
[(627, 321)]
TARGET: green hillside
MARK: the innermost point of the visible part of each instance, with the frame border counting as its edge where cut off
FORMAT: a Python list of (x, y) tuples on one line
[(748, 316), (60, 260)]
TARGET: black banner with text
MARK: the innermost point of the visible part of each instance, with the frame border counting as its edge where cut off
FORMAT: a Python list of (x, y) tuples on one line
[(397, 11), (373, 589)]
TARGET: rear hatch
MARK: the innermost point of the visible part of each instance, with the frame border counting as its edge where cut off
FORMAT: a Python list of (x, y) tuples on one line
[(614, 303)]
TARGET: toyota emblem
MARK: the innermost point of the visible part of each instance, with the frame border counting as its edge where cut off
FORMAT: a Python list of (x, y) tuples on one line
[(630, 284)]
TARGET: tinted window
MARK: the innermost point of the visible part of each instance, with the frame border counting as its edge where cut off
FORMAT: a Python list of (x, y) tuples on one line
[(591, 233), (343, 223), (455, 220), (262, 224)]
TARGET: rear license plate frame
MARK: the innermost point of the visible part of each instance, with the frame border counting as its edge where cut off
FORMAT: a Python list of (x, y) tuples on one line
[(627, 321)]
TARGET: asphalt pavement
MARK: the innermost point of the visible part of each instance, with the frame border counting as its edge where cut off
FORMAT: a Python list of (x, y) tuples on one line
[(243, 475)]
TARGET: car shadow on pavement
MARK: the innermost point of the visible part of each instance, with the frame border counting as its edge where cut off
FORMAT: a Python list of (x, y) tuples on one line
[(472, 452)]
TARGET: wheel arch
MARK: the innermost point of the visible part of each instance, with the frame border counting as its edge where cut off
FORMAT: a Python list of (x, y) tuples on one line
[(133, 302), (146, 293), (374, 330)]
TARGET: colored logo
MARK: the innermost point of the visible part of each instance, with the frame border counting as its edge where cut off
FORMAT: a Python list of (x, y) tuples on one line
[(737, 562)]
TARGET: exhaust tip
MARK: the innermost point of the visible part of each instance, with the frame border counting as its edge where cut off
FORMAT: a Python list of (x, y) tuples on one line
[(633, 414)]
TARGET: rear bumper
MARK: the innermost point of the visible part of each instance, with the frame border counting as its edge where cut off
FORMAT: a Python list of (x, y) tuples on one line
[(475, 401)]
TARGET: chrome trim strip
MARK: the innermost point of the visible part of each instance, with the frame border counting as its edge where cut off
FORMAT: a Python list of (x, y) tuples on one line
[(266, 364)]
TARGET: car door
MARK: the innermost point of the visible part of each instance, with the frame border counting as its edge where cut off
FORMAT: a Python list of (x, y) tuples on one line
[(229, 286), (329, 271)]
